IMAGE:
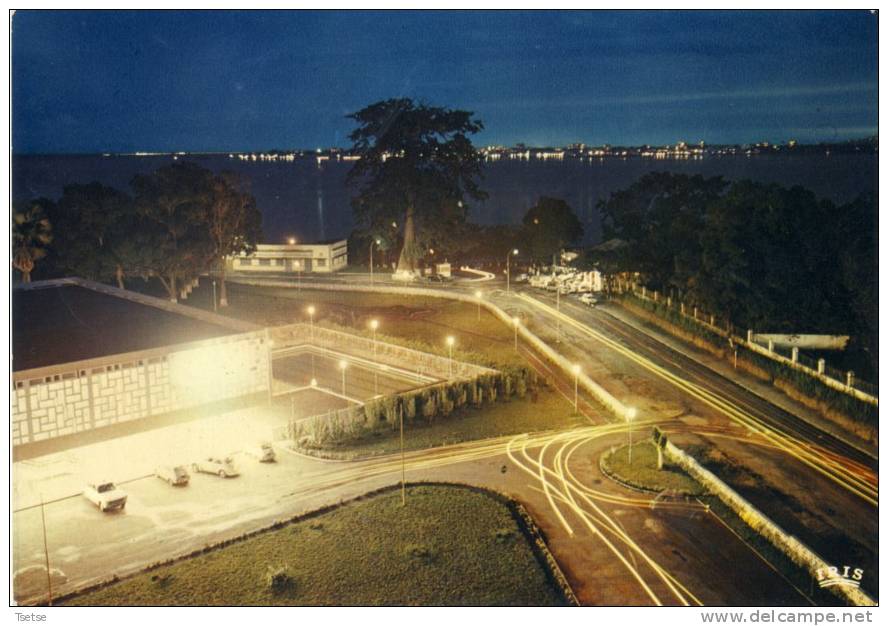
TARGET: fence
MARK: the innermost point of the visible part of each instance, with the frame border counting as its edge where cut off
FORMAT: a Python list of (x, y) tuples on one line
[(844, 382), (371, 349), (621, 410)]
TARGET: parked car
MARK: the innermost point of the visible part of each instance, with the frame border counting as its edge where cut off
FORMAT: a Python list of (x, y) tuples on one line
[(520, 278), (106, 496), (223, 467), (264, 452), (173, 474), (588, 299)]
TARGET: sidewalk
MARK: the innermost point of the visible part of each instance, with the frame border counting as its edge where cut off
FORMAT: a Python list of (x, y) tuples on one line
[(761, 389)]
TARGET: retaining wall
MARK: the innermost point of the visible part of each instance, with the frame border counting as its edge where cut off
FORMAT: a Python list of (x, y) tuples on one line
[(794, 549)]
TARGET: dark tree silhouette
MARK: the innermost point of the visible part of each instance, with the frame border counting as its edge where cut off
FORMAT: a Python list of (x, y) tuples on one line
[(417, 167)]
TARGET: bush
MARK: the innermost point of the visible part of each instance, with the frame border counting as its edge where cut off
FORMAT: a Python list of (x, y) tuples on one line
[(279, 580), (420, 552)]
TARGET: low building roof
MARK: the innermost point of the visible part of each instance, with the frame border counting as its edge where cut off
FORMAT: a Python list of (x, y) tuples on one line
[(61, 322)]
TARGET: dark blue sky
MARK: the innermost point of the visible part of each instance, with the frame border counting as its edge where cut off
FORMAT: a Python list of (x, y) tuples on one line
[(124, 81)]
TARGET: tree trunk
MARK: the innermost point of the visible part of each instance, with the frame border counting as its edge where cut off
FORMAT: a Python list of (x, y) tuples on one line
[(170, 287), (223, 291), (26, 276), (407, 260), (119, 274)]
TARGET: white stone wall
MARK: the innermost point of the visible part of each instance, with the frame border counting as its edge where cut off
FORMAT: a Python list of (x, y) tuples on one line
[(78, 397)]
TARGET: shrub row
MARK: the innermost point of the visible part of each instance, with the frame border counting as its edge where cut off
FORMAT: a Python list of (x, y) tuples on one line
[(854, 409), (427, 404)]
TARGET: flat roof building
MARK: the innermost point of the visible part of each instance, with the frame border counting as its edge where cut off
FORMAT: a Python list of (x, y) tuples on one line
[(322, 257), (87, 356)]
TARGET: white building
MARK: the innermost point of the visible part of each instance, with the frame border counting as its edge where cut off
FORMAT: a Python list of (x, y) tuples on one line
[(324, 257)]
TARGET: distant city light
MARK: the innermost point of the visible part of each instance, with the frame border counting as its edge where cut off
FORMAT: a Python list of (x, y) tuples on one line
[(291, 241)]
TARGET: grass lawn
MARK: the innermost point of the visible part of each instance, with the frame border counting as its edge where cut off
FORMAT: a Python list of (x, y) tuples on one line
[(643, 472), (449, 546), (429, 320), (416, 319), (550, 412)]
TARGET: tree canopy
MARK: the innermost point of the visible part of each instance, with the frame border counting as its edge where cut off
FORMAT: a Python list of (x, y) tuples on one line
[(768, 257), (549, 226), (31, 235), (417, 167)]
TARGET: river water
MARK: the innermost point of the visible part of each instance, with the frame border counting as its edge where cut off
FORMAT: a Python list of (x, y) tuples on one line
[(311, 201)]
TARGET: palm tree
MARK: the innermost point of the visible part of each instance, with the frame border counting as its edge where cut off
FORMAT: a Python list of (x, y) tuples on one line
[(31, 234)]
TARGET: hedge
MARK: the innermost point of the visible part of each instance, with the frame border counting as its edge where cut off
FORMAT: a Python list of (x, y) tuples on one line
[(430, 403)]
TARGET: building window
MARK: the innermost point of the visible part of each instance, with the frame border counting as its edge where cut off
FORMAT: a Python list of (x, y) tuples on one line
[(264, 261), (321, 262)]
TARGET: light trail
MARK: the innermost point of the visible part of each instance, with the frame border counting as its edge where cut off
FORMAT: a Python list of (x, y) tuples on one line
[(810, 455), (561, 486)]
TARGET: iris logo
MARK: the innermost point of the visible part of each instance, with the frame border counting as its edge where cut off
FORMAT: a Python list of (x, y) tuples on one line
[(844, 577)]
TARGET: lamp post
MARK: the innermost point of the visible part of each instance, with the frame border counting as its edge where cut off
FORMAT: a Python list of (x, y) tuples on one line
[(509, 256), (311, 317), (478, 297), (630, 415), (214, 295), (515, 322), (558, 309), (576, 371), (374, 324), (343, 364), (450, 342), (403, 467), (377, 242)]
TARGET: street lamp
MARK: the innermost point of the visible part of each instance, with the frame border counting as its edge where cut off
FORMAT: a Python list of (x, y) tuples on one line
[(516, 322), (343, 364), (509, 256), (291, 241), (377, 242), (630, 415), (311, 317), (576, 371), (450, 342), (374, 324)]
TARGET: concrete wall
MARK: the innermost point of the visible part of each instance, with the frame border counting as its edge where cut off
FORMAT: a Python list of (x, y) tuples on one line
[(751, 341), (798, 552), (803, 342), (73, 397)]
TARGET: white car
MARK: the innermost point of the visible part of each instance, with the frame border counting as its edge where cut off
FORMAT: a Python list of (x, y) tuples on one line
[(264, 452), (106, 496), (588, 299), (223, 467)]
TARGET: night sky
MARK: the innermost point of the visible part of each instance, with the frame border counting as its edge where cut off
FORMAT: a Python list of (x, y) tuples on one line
[(126, 81)]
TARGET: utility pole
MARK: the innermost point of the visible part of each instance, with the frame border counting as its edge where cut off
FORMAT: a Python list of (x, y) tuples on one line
[(403, 469), (46, 552)]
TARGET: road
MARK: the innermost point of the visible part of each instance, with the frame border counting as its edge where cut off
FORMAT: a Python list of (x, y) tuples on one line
[(615, 546), (815, 485), (595, 529)]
